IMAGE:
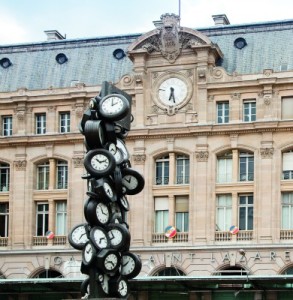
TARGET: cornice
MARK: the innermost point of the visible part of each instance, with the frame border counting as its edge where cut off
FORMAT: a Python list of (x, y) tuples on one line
[(210, 130)]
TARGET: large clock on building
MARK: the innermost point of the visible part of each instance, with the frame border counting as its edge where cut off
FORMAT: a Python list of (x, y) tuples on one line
[(172, 89)]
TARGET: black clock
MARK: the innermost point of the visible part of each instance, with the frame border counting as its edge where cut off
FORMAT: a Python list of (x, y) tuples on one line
[(132, 181), (99, 162), (130, 265), (118, 286), (119, 236), (102, 188), (98, 212), (113, 107), (94, 133), (123, 201), (108, 261), (103, 281), (78, 236), (99, 237), (88, 254), (121, 146), (85, 117), (85, 287)]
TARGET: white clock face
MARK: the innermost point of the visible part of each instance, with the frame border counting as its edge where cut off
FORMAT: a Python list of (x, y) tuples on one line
[(172, 91), (130, 182), (88, 252), (100, 238), (79, 235), (111, 262), (100, 162), (108, 189), (102, 213), (124, 202), (122, 288), (115, 237), (128, 264), (112, 105), (103, 278)]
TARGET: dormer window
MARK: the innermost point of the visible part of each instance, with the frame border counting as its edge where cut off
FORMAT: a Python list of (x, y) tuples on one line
[(61, 58), (118, 54), (5, 63), (240, 43)]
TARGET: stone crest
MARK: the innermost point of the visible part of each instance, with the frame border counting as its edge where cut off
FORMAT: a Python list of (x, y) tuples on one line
[(169, 36)]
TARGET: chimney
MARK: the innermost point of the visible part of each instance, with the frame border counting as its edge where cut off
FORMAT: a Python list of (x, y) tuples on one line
[(220, 20), (54, 35)]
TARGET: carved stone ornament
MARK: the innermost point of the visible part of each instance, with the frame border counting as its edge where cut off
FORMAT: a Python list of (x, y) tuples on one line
[(78, 161), (169, 40), (266, 152), (79, 110), (235, 96), (267, 99), (20, 165), (202, 155), (139, 158), (20, 115)]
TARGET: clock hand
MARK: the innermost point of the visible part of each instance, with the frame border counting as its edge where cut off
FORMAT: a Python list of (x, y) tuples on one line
[(103, 211), (88, 251), (102, 238), (172, 96), (128, 180), (123, 265), (112, 103)]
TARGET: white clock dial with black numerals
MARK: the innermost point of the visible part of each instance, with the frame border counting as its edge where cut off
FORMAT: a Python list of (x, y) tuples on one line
[(111, 262), (172, 91)]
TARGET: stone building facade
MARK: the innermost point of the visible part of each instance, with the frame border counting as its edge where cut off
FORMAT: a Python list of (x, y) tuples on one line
[(212, 135)]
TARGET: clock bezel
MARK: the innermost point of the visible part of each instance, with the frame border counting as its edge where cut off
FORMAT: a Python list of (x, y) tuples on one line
[(163, 78)]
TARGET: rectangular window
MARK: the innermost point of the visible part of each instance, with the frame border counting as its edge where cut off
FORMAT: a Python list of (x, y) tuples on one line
[(161, 214), (249, 110), (288, 165), (246, 167), (224, 168), (182, 169), (222, 112), (43, 176), (162, 171), (224, 212), (4, 177), (287, 211), (7, 125), (40, 123), (42, 219), (4, 219), (62, 174), (64, 122), (61, 218), (246, 212), (287, 108), (182, 213)]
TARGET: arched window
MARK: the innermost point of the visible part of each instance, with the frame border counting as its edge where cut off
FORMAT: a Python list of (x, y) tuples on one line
[(288, 271), (59, 168), (180, 163), (169, 272), (50, 273), (232, 271)]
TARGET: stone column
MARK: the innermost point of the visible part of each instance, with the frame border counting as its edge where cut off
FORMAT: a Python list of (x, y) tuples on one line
[(52, 174)]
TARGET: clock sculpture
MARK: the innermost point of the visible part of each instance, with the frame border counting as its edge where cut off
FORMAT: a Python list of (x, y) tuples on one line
[(105, 239)]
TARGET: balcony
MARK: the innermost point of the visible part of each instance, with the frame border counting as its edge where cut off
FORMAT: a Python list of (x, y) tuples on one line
[(40, 241), (180, 237), (286, 235), (3, 241), (59, 240), (227, 236)]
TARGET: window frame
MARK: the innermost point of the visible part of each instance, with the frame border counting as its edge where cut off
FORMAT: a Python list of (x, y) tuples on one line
[(163, 164), (64, 122), (226, 209), (43, 169), (248, 114), (224, 108), (5, 216), (247, 208), (185, 169), (246, 159), (61, 174), (61, 213), (45, 218), (40, 123), (7, 126)]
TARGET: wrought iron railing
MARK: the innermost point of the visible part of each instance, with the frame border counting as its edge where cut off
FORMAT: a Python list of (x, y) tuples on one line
[(162, 180), (287, 175)]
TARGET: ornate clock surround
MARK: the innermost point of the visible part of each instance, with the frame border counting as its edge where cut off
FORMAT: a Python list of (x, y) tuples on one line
[(173, 107)]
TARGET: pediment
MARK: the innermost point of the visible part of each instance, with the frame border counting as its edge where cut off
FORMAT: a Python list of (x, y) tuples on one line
[(169, 39)]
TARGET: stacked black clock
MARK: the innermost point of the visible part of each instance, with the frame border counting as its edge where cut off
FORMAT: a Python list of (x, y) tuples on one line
[(105, 239)]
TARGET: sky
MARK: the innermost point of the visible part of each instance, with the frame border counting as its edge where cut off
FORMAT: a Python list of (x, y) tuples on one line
[(24, 21)]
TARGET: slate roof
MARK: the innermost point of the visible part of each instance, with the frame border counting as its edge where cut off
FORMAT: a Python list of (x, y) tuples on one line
[(91, 61)]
